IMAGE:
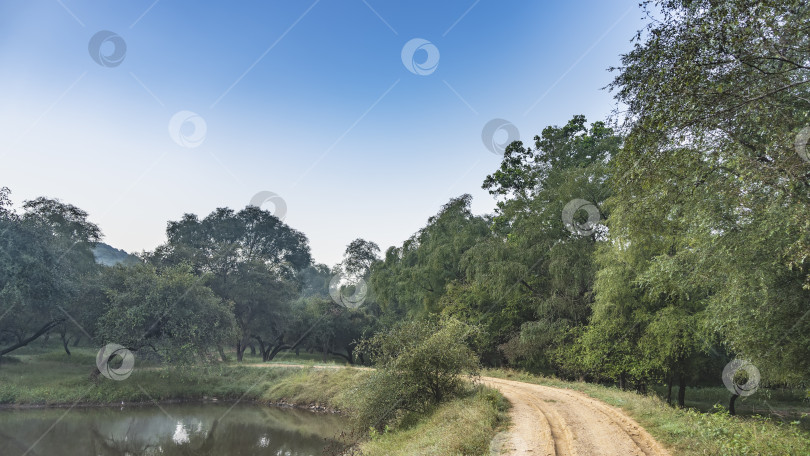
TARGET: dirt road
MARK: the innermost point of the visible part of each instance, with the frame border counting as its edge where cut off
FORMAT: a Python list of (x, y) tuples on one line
[(550, 421), (559, 422)]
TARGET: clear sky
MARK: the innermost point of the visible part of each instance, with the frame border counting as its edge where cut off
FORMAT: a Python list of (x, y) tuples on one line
[(141, 111)]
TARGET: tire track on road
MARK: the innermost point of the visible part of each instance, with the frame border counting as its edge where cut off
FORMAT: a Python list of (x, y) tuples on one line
[(561, 422)]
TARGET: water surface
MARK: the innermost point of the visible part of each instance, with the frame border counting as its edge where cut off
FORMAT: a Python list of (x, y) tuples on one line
[(181, 429)]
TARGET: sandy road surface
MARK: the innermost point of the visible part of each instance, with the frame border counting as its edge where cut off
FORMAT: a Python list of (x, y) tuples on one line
[(559, 422)]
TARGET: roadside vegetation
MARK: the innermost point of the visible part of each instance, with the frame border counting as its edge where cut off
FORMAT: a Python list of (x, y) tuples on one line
[(462, 426), (419, 365)]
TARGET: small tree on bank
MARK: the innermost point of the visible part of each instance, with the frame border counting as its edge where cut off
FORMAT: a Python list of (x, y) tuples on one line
[(419, 364)]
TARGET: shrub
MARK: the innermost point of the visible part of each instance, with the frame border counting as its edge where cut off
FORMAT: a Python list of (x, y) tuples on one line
[(419, 364)]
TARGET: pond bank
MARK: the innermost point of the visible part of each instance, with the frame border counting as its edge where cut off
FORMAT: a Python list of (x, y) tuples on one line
[(463, 426)]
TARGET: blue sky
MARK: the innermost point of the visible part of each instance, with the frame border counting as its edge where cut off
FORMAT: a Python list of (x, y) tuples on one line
[(309, 100)]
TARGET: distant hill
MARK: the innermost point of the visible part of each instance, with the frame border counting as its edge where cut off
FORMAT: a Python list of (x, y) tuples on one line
[(110, 256)]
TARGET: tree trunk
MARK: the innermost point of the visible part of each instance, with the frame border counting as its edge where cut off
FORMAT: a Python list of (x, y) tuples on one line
[(65, 340), (681, 390), (273, 351), (94, 373), (222, 355), (731, 408), (22, 343), (240, 351), (252, 349), (348, 357), (669, 390), (262, 350), (76, 340)]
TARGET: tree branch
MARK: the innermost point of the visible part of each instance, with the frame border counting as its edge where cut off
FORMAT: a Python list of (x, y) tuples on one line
[(47, 327)]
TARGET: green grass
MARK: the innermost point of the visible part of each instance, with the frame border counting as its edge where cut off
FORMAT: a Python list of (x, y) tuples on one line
[(462, 426), (286, 357), (313, 386), (689, 431), (53, 378)]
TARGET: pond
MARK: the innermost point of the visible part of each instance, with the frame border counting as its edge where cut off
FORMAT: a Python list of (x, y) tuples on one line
[(177, 429)]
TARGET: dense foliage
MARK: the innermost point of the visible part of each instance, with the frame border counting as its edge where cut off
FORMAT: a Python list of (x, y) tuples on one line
[(657, 250), (232, 279)]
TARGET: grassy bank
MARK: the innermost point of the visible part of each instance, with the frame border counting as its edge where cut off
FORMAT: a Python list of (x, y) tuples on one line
[(462, 426), (47, 377), (690, 431), (55, 379)]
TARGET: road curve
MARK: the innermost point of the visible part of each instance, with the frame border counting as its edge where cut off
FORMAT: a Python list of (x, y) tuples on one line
[(560, 422), (548, 421)]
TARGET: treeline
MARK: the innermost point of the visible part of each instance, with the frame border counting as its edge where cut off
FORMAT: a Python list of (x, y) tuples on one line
[(227, 283)]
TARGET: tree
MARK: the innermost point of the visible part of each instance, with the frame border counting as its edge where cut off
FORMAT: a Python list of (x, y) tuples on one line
[(643, 330), (45, 255), (717, 97), (320, 323), (530, 284), (263, 306), (413, 278), (169, 312), (360, 256), (333, 329), (420, 363), (252, 260)]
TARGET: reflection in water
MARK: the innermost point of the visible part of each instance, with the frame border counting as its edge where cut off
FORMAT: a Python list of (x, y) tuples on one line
[(200, 429)]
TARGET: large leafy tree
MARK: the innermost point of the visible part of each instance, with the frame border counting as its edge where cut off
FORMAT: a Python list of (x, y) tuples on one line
[(169, 312), (45, 253), (530, 284), (649, 306), (718, 94), (412, 279), (250, 258), (360, 256)]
